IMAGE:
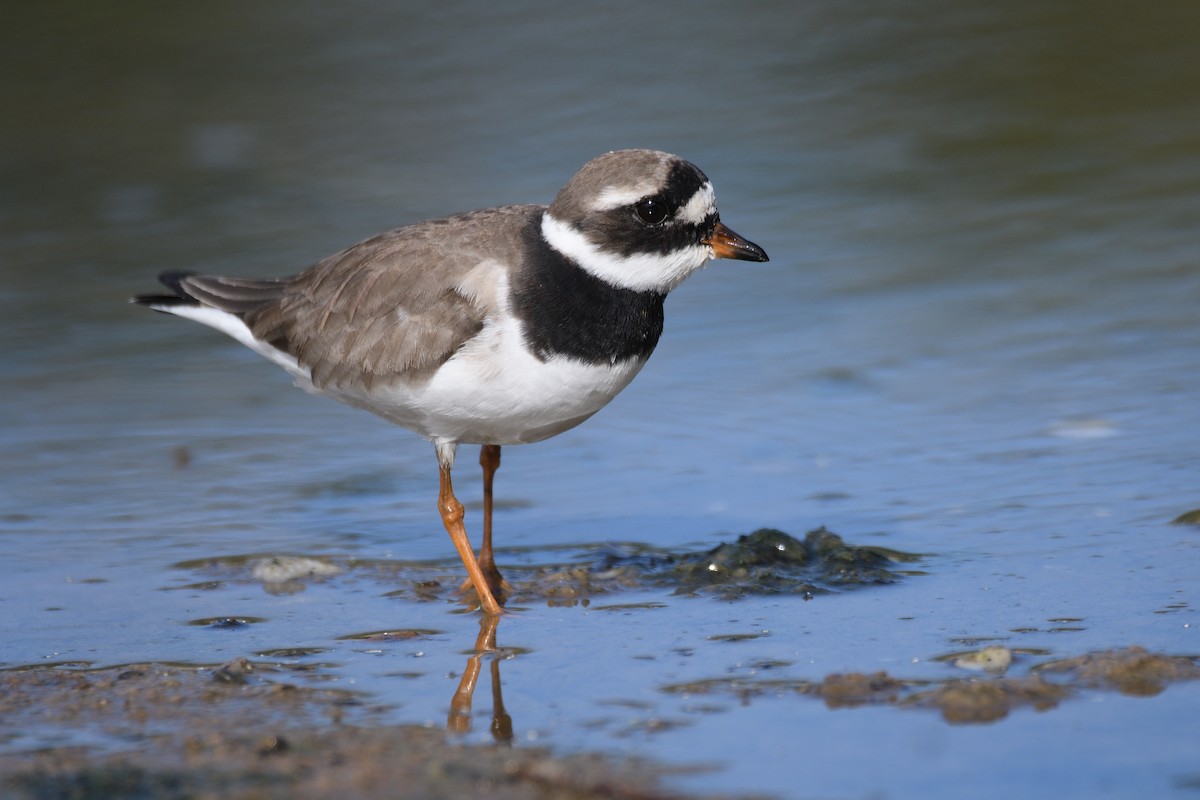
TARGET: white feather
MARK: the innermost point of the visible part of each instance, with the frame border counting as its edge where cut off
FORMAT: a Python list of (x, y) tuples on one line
[(702, 204), (496, 391), (617, 196), (233, 326), (493, 391), (641, 272)]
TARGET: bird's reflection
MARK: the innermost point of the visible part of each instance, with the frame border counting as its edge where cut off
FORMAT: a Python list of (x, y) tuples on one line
[(459, 720)]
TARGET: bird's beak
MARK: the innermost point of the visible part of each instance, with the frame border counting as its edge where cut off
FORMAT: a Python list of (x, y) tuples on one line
[(727, 244)]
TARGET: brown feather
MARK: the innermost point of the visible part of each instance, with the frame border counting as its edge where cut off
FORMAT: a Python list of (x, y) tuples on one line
[(395, 306)]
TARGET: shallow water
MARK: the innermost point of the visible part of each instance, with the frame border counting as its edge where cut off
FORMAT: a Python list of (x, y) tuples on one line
[(976, 340)]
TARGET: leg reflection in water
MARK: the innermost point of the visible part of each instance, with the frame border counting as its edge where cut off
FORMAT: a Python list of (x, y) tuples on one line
[(459, 720)]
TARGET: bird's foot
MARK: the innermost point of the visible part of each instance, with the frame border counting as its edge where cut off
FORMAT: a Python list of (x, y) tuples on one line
[(501, 589)]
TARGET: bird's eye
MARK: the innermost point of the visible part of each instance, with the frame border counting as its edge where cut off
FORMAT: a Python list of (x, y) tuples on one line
[(651, 210)]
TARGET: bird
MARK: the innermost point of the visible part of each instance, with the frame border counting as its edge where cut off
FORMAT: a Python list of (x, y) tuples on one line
[(499, 326)]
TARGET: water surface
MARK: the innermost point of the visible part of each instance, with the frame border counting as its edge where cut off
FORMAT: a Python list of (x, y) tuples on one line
[(976, 339)]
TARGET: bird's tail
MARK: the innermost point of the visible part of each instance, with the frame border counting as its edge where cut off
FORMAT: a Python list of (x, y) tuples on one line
[(236, 296)]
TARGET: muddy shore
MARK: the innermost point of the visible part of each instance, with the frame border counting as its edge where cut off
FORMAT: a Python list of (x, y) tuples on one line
[(245, 730), (170, 731)]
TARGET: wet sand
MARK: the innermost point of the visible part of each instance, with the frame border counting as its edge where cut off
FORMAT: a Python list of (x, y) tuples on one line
[(168, 731), (244, 730)]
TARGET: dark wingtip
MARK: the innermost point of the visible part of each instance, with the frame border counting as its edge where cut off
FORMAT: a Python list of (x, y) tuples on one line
[(174, 282), (160, 301)]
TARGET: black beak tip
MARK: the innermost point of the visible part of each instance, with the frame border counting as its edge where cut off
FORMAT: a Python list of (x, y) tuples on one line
[(748, 251)]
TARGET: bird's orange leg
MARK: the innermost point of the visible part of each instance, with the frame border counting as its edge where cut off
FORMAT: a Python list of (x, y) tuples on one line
[(452, 517), (489, 459)]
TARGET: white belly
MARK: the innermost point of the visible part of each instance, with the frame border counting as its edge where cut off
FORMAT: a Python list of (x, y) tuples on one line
[(494, 391)]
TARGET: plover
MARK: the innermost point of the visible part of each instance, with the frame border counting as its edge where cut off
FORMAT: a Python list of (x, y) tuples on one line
[(495, 327)]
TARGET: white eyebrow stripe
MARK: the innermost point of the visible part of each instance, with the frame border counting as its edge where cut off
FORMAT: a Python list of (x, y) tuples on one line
[(700, 207), (618, 196)]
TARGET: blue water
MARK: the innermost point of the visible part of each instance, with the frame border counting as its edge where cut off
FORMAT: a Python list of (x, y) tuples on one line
[(976, 339)]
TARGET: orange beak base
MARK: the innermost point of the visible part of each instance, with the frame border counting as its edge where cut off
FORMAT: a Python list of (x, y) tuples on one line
[(727, 244)]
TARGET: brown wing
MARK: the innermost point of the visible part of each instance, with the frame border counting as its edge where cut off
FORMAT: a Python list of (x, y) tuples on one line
[(396, 305)]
